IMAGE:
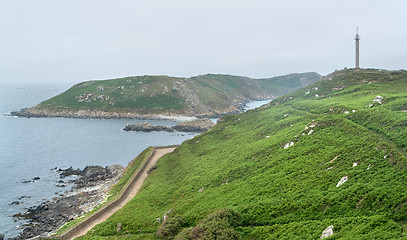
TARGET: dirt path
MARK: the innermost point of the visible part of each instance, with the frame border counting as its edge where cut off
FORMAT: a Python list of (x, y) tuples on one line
[(133, 189)]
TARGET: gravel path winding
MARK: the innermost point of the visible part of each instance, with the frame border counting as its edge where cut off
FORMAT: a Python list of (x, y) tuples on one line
[(132, 191)]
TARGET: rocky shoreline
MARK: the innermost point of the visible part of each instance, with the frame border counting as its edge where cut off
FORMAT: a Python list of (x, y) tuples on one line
[(99, 114), (199, 125), (89, 190), (59, 112)]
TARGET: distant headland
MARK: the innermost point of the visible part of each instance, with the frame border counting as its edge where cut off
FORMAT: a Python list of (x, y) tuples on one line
[(164, 97)]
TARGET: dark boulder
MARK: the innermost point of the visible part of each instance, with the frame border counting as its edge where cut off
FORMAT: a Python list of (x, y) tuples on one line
[(22, 197), (69, 172)]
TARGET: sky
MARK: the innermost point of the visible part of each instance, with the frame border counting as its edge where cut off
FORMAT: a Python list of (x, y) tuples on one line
[(70, 41)]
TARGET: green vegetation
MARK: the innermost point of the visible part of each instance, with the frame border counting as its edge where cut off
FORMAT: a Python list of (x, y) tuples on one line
[(272, 172), (207, 94)]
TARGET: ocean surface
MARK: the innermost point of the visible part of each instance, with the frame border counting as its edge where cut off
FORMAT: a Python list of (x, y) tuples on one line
[(32, 147)]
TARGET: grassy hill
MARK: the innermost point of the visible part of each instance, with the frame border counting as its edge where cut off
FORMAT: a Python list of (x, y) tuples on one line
[(273, 172), (210, 94)]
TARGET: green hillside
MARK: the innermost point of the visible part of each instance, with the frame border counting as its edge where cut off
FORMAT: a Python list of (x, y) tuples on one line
[(272, 172), (209, 95)]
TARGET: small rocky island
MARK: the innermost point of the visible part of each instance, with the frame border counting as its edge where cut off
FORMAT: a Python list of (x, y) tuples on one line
[(199, 125)]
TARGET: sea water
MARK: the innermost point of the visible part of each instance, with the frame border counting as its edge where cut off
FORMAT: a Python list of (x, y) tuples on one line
[(32, 147)]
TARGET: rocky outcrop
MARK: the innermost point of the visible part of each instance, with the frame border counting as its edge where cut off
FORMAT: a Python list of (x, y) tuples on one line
[(342, 181), (146, 127), (200, 125), (89, 190), (329, 231), (288, 144), (378, 99), (45, 112), (112, 114), (69, 172)]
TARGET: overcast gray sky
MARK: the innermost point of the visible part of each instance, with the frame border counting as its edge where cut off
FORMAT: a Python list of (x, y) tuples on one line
[(77, 40)]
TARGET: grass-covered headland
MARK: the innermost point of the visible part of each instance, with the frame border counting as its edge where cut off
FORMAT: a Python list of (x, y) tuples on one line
[(148, 96), (273, 172)]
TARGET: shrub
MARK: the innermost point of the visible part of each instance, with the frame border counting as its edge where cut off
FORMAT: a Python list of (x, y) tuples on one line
[(219, 225), (170, 226)]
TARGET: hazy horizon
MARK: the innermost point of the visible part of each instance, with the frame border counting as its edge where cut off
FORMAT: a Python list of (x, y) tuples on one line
[(75, 41)]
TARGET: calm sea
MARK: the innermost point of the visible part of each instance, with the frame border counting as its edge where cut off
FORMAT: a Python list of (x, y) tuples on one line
[(31, 148)]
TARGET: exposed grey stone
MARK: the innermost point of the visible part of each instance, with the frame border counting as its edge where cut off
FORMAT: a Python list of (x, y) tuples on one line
[(342, 181), (288, 144), (378, 99), (329, 231)]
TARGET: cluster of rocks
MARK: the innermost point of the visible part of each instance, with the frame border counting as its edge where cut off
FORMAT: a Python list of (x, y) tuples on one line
[(200, 125), (89, 190), (32, 180), (146, 127), (19, 199), (379, 100)]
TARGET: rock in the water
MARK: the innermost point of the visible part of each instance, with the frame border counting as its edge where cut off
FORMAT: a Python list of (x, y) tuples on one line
[(36, 178), (69, 172), (329, 231), (342, 181), (378, 99), (1, 236), (146, 127), (91, 175), (22, 197), (199, 125)]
